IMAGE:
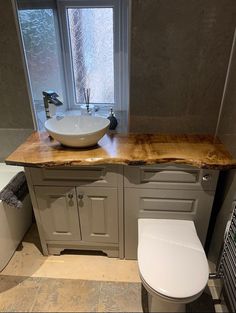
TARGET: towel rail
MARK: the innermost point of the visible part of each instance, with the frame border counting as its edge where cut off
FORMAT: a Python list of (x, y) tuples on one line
[(227, 263)]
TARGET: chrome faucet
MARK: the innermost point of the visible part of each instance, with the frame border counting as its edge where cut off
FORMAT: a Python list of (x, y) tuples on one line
[(50, 97)]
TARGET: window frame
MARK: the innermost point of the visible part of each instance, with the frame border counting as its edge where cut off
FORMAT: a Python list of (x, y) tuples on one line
[(35, 4), (122, 23), (43, 4), (120, 47)]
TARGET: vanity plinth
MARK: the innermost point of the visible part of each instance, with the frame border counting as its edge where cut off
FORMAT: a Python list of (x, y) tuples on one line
[(91, 198)]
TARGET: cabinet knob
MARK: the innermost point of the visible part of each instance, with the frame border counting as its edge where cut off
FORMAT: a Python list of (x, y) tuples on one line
[(80, 196), (206, 177), (70, 196)]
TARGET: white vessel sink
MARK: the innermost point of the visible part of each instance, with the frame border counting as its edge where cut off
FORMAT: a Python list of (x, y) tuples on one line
[(77, 131)]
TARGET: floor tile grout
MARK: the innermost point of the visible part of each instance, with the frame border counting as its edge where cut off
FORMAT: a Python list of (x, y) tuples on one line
[(112, 293), (36, 295), (99, 297)]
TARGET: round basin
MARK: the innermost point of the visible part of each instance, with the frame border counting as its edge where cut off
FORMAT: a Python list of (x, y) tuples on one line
[(77, 131)]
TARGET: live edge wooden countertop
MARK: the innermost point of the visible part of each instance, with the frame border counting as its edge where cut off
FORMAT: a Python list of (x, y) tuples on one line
[(131, 149)]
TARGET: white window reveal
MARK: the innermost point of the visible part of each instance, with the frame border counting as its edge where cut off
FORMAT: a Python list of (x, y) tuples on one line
[(73, 46)]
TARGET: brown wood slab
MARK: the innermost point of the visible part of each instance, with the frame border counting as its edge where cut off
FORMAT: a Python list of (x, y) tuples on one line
[(197, 150)]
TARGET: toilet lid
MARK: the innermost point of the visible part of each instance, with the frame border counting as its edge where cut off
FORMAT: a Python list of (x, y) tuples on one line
[(171, 258)]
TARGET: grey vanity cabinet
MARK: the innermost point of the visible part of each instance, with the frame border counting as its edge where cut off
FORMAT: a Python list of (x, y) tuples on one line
[(78, 208), (98, 211), (97, 207), (57, 207)]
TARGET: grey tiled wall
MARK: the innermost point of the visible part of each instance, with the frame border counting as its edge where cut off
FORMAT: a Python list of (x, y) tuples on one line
[(14, 102), (15, 116), (227, 126), (10, 139), (227, 134), (179, 57), (225, 207)]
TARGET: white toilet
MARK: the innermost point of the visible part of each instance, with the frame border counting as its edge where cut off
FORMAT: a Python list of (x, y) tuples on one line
[(172, 263)]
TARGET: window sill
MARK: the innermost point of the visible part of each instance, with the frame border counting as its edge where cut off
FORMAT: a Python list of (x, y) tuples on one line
[(121, 116)]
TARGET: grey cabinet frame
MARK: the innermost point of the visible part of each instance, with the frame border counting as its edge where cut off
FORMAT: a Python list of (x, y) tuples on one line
[(156, 191)]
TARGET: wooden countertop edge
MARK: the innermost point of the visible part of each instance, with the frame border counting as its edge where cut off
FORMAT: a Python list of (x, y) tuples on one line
[(202, 151), (74, 163)]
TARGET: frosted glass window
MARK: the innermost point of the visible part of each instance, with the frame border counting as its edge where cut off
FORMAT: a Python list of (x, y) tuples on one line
[(41, 49), (92, 53)]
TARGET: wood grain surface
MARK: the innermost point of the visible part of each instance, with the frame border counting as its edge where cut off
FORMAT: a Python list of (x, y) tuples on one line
[(197, 150)]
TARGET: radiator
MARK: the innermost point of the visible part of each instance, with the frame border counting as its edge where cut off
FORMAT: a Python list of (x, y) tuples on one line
[(227, 264)]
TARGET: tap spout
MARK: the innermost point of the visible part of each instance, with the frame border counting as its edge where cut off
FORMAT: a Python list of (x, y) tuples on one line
[(50, 97)]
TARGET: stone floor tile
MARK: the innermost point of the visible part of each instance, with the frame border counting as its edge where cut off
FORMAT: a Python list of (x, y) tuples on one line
[(120, 297), (216, 292), (29, 261), (17, 294), (221, 308), (62, 295)]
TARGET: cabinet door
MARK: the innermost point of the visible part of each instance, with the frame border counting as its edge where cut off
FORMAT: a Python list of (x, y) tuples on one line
[(58, 212), (165, 204), (98, 210)]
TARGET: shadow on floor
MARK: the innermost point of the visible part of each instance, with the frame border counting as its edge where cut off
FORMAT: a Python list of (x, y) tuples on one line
[(203, 304), (83, 252), (32, 236)]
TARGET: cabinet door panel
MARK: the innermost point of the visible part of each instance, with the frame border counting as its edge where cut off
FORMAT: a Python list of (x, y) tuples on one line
[(58, 212), (149, 204), (98, 211), (165, 204)]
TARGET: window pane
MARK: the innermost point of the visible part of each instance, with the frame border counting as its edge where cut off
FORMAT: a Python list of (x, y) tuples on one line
[(41, 48), (91, 40)]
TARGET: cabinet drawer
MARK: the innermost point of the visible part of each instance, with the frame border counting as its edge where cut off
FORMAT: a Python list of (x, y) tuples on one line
[(84, 175), (170, 176)]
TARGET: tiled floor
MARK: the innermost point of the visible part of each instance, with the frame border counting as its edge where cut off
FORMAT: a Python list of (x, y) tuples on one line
[(70, 282), (27, 294), (215, 287), (30, 262)]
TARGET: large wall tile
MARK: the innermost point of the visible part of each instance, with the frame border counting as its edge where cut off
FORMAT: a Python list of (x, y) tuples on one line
[(14, 101), (227, 125), (179, 56), (10, 139)]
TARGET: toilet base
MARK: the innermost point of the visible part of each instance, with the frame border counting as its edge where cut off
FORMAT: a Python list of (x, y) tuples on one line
[(157, 304)]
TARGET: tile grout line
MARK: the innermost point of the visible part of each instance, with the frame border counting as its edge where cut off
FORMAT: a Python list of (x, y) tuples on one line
[(99, 297), (217, 293), (37, 292)]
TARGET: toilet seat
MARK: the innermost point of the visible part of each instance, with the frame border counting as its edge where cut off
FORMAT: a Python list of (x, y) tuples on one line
[(171, 259)]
